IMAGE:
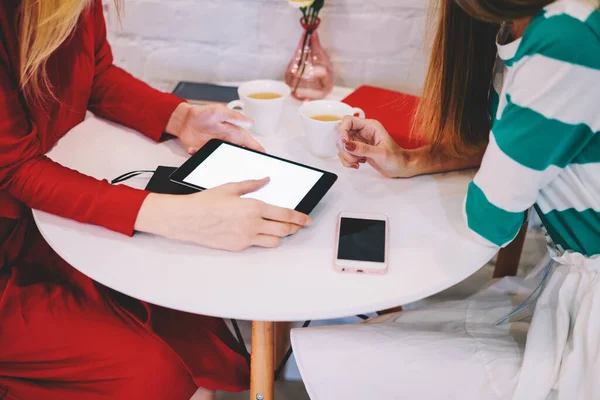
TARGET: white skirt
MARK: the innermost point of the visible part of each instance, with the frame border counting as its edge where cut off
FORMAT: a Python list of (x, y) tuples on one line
[(454, 350)]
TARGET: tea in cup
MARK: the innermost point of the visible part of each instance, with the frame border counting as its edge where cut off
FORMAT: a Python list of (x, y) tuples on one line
[(326, 118), (264, 102), (264, 95), (320, 119)]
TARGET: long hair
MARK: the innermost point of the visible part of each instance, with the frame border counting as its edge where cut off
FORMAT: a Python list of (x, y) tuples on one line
[(453, 114), (44, 26)]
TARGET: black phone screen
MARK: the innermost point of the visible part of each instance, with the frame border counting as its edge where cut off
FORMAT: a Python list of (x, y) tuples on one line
[(362, 240)]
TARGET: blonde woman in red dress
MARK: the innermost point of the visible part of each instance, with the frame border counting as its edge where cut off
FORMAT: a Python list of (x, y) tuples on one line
[(63, 336)]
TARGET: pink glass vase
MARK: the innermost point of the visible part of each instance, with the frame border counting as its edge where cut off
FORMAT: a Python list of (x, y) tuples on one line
[(309, 73)]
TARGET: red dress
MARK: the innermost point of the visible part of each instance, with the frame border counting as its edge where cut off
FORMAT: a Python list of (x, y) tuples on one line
[(63, 336)]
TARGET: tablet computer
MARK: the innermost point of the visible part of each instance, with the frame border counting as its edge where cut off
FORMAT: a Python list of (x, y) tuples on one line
[(293, 185)]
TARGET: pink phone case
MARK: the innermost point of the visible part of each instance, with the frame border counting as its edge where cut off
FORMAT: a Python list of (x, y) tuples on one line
[(361, 270)]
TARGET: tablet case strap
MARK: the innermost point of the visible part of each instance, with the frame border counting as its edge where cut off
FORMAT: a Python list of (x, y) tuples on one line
[(160, 181)]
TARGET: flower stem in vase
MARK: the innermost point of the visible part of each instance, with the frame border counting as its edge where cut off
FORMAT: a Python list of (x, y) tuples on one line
[(304, 15), (303, 59)]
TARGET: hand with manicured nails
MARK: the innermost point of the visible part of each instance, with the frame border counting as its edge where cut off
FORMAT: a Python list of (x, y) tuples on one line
[(366, 141)]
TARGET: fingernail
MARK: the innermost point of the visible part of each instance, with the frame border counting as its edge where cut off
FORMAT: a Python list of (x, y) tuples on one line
[(309, 221), (350, 146), (362, 160), (355, 166)]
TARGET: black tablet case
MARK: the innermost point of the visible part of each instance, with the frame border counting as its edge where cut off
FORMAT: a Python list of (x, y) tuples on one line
[(160, 183)]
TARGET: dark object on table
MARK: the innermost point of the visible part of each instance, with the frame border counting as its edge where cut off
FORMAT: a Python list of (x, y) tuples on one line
[(160, 183), (205, 93)]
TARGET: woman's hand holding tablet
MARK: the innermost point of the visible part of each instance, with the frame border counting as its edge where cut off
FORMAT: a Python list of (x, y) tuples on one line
[(220, 218), (254, 199), (292, 185)]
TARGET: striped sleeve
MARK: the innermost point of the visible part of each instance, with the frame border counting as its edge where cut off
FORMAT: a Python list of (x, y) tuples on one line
[(551, 114)]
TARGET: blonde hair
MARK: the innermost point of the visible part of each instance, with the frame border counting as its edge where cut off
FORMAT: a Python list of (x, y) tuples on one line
[(45, 25)]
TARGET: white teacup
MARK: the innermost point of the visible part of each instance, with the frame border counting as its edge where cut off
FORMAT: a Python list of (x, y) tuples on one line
[(267, 113), (321, 135)]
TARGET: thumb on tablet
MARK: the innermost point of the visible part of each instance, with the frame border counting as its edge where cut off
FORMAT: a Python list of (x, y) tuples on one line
[(242, 188)]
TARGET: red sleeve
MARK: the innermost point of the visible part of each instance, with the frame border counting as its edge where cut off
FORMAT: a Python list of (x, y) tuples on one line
[(29, 176), (119, 97)]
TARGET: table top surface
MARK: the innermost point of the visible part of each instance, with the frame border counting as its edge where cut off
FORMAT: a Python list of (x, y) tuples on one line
[(430, 248)]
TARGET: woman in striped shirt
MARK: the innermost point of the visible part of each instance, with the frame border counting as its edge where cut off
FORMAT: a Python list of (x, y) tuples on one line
[(532, 338)]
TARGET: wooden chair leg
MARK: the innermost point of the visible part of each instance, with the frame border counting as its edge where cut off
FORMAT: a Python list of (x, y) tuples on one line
[(507, 262), (390, 311)]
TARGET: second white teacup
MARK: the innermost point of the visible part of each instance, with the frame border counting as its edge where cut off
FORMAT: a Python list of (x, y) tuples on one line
[(320, 119), (263, 101)]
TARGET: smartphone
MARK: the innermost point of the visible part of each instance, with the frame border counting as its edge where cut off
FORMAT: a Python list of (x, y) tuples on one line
[(362, 243)]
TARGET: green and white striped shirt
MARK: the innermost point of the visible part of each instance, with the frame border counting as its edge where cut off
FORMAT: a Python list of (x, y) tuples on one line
[(544, 148)]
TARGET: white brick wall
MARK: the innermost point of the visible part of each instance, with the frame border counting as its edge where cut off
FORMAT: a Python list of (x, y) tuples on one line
[(377, 42)]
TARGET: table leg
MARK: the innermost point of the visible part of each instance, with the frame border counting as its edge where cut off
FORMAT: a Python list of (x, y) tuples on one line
[(261, 361)]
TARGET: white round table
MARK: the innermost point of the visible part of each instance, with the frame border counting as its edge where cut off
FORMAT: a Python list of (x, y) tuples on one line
[(430, 249)]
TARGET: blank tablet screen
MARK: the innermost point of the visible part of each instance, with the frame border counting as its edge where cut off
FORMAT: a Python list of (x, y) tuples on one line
[(289, 183)]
